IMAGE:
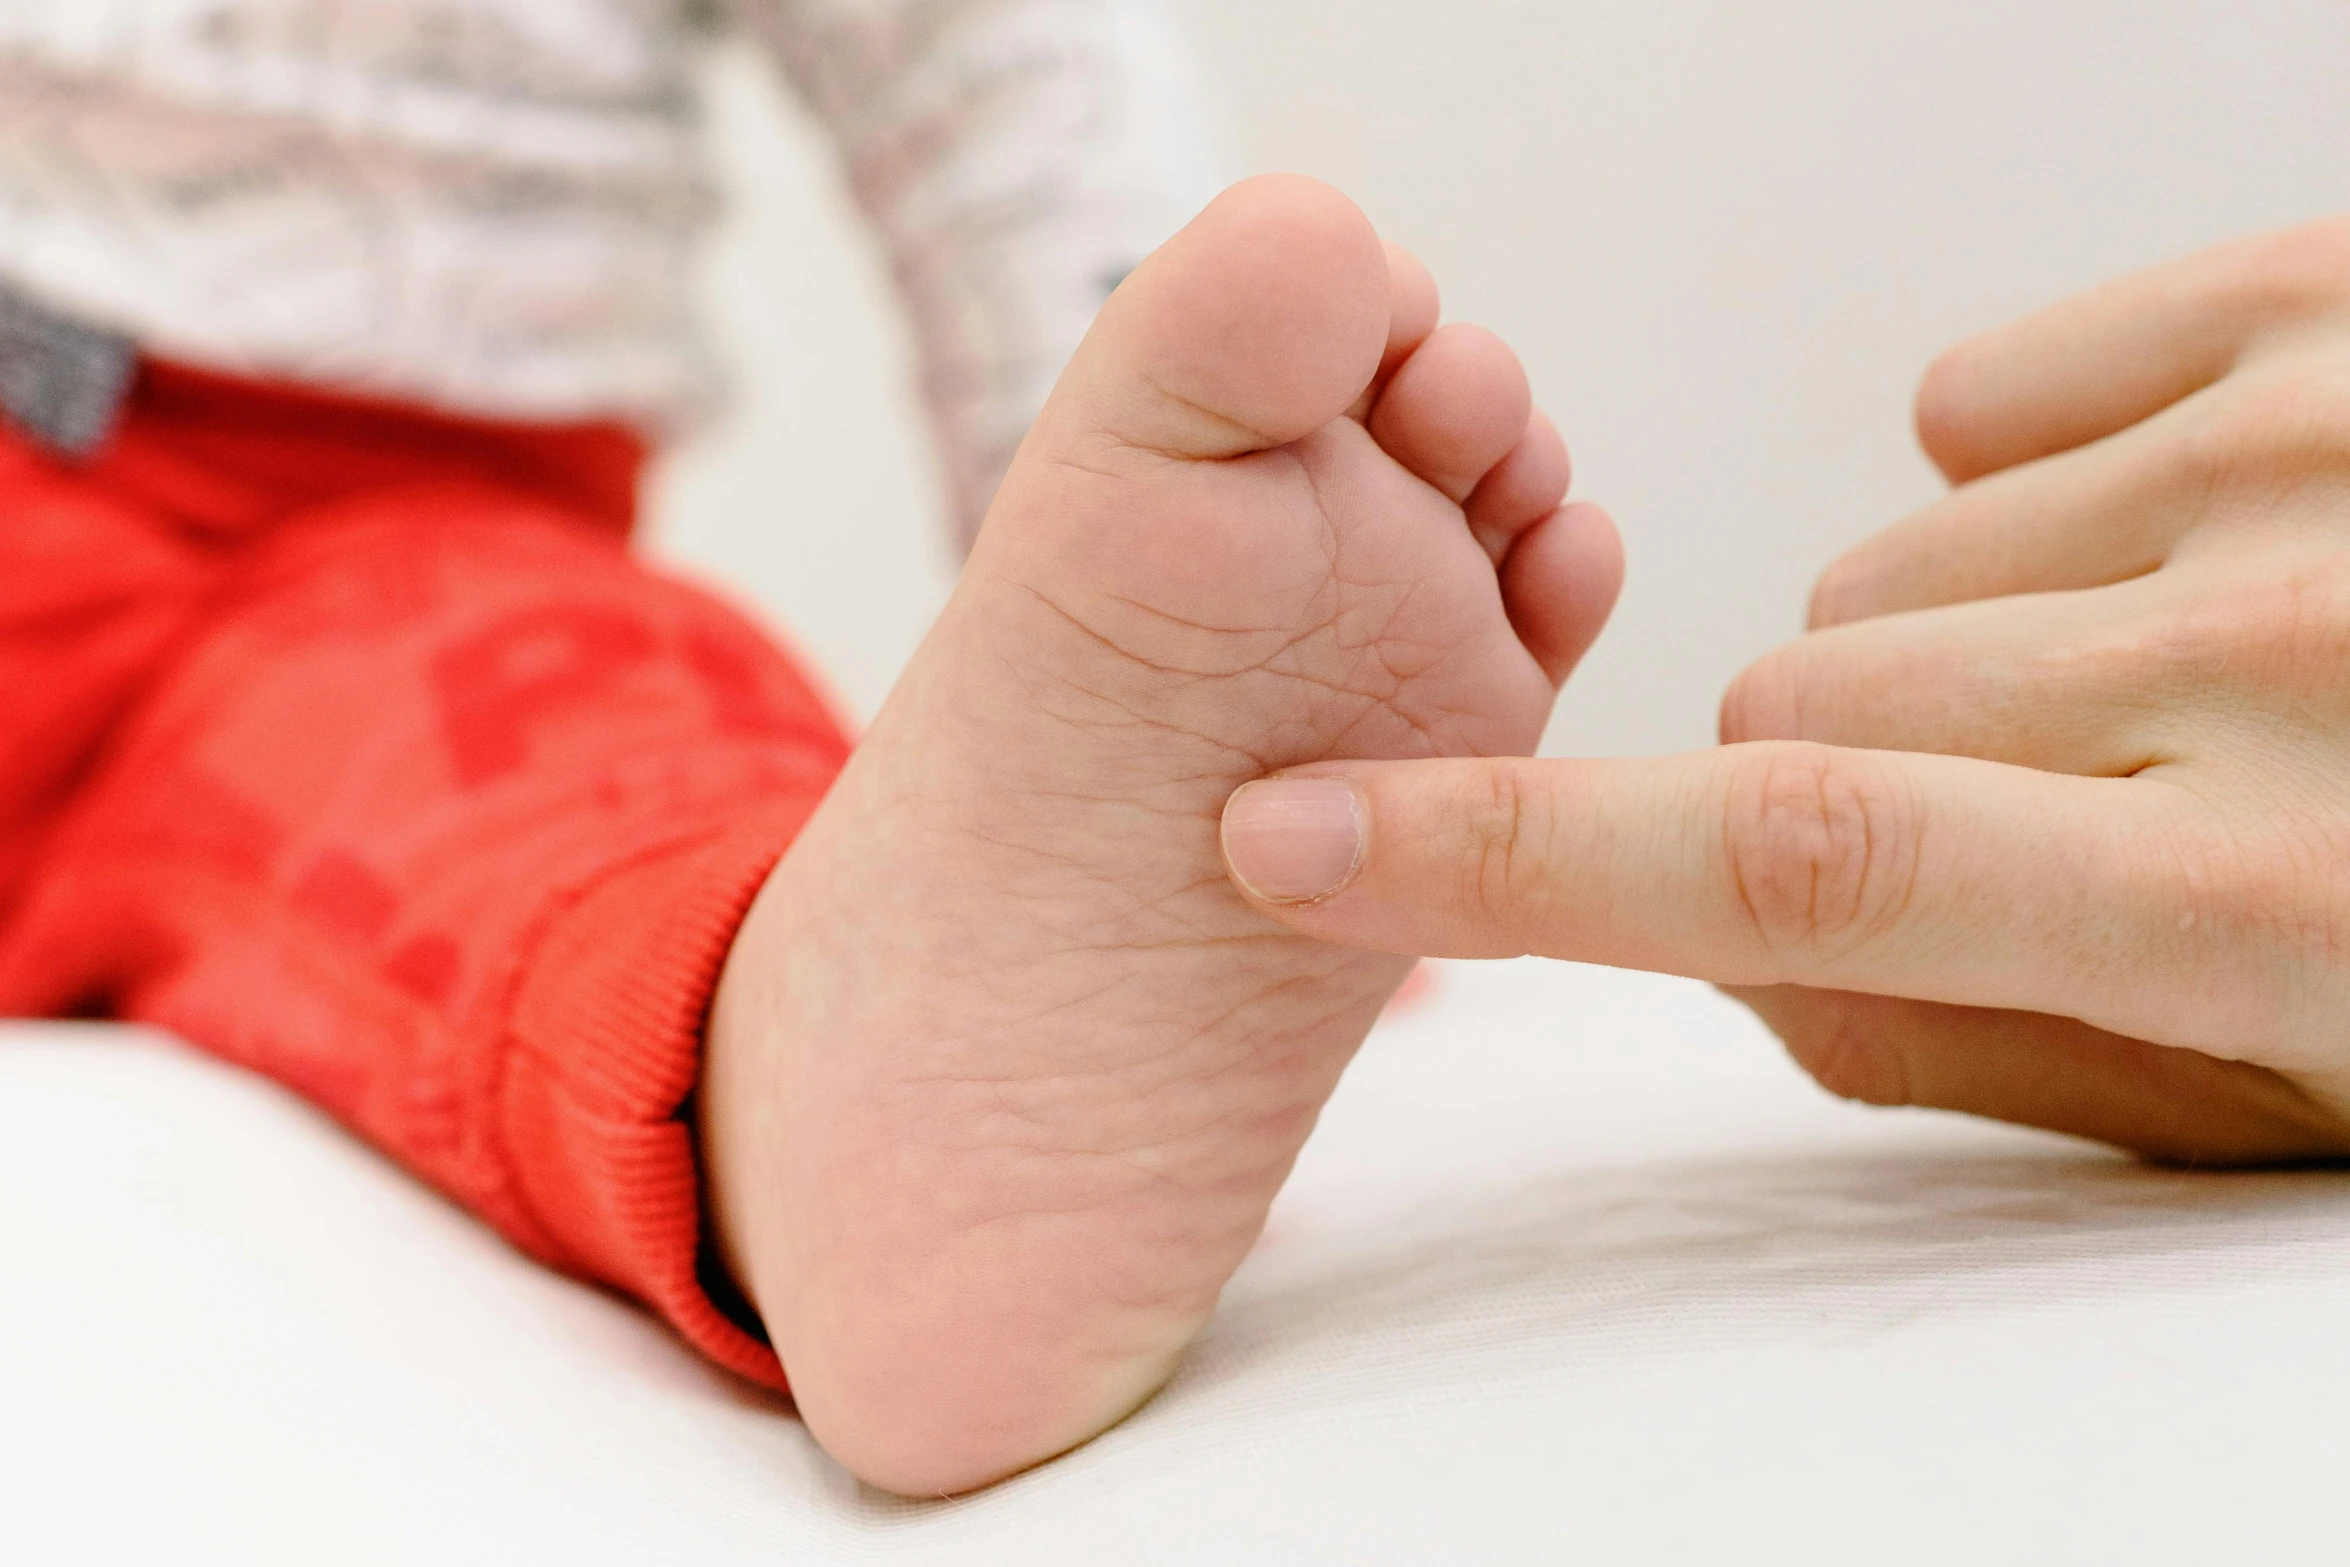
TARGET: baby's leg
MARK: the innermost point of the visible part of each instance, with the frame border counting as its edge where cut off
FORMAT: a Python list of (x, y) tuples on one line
[(94, 590), (443, 811)]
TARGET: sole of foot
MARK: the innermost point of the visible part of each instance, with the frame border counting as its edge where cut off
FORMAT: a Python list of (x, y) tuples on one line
[(1003, 1074)]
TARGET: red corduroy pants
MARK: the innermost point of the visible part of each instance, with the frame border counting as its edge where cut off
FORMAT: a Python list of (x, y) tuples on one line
[(349, 743)]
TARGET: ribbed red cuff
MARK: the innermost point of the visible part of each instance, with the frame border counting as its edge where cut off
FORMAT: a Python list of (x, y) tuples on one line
[(604, 1051)]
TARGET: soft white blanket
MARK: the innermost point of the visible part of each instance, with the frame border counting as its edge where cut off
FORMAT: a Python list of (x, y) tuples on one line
[(1577, 1270)]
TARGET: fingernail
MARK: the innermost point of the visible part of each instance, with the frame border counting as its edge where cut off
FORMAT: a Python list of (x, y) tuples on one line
[(1294, 840)]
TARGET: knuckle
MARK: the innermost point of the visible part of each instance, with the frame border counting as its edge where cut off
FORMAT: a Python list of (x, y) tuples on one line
[(2282, 635), (1821, 846), (2270, 893), (2304, 270), (2253, 918), (1514, 823), (2267, 433)]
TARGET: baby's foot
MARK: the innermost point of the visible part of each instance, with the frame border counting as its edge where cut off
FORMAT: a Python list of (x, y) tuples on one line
[(1003, 1075)]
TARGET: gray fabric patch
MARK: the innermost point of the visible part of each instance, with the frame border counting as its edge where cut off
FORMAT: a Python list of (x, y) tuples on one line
[(60, 382)]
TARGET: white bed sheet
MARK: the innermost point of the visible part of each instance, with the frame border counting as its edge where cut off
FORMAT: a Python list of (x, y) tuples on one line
[(1577, 1270)]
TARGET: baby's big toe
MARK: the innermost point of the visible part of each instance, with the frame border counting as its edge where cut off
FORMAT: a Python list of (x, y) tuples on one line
[(1260, 323)]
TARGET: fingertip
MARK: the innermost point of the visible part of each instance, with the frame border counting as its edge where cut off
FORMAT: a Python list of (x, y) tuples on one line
[(1361, 854), (1948, 414), (1293, 840)]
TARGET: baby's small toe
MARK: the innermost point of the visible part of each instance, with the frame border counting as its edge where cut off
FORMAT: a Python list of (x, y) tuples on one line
[(1523, 488), (1560, 585), (1458, 406), (1413, 309)]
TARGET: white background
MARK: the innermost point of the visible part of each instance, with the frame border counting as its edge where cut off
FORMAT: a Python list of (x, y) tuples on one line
[(1726, 238)]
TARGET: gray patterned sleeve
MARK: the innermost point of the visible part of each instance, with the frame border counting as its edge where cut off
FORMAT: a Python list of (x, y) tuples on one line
[(1017, 157)]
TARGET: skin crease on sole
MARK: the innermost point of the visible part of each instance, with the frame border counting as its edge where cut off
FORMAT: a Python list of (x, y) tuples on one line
[(1003, 1074)]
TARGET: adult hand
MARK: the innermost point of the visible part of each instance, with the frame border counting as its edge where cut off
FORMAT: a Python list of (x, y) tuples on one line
[(2048, 819)]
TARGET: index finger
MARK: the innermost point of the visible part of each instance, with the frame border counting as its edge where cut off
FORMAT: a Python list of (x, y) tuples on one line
[(2099, 363), (1933, 877)]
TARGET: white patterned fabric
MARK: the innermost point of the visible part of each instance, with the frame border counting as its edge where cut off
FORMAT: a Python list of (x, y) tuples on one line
[(490, 204)]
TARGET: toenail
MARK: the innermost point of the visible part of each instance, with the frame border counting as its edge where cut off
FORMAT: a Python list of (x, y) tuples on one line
[(1294, 840)]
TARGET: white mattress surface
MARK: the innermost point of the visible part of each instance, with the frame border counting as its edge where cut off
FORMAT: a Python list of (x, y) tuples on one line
[(1577, 1270)]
